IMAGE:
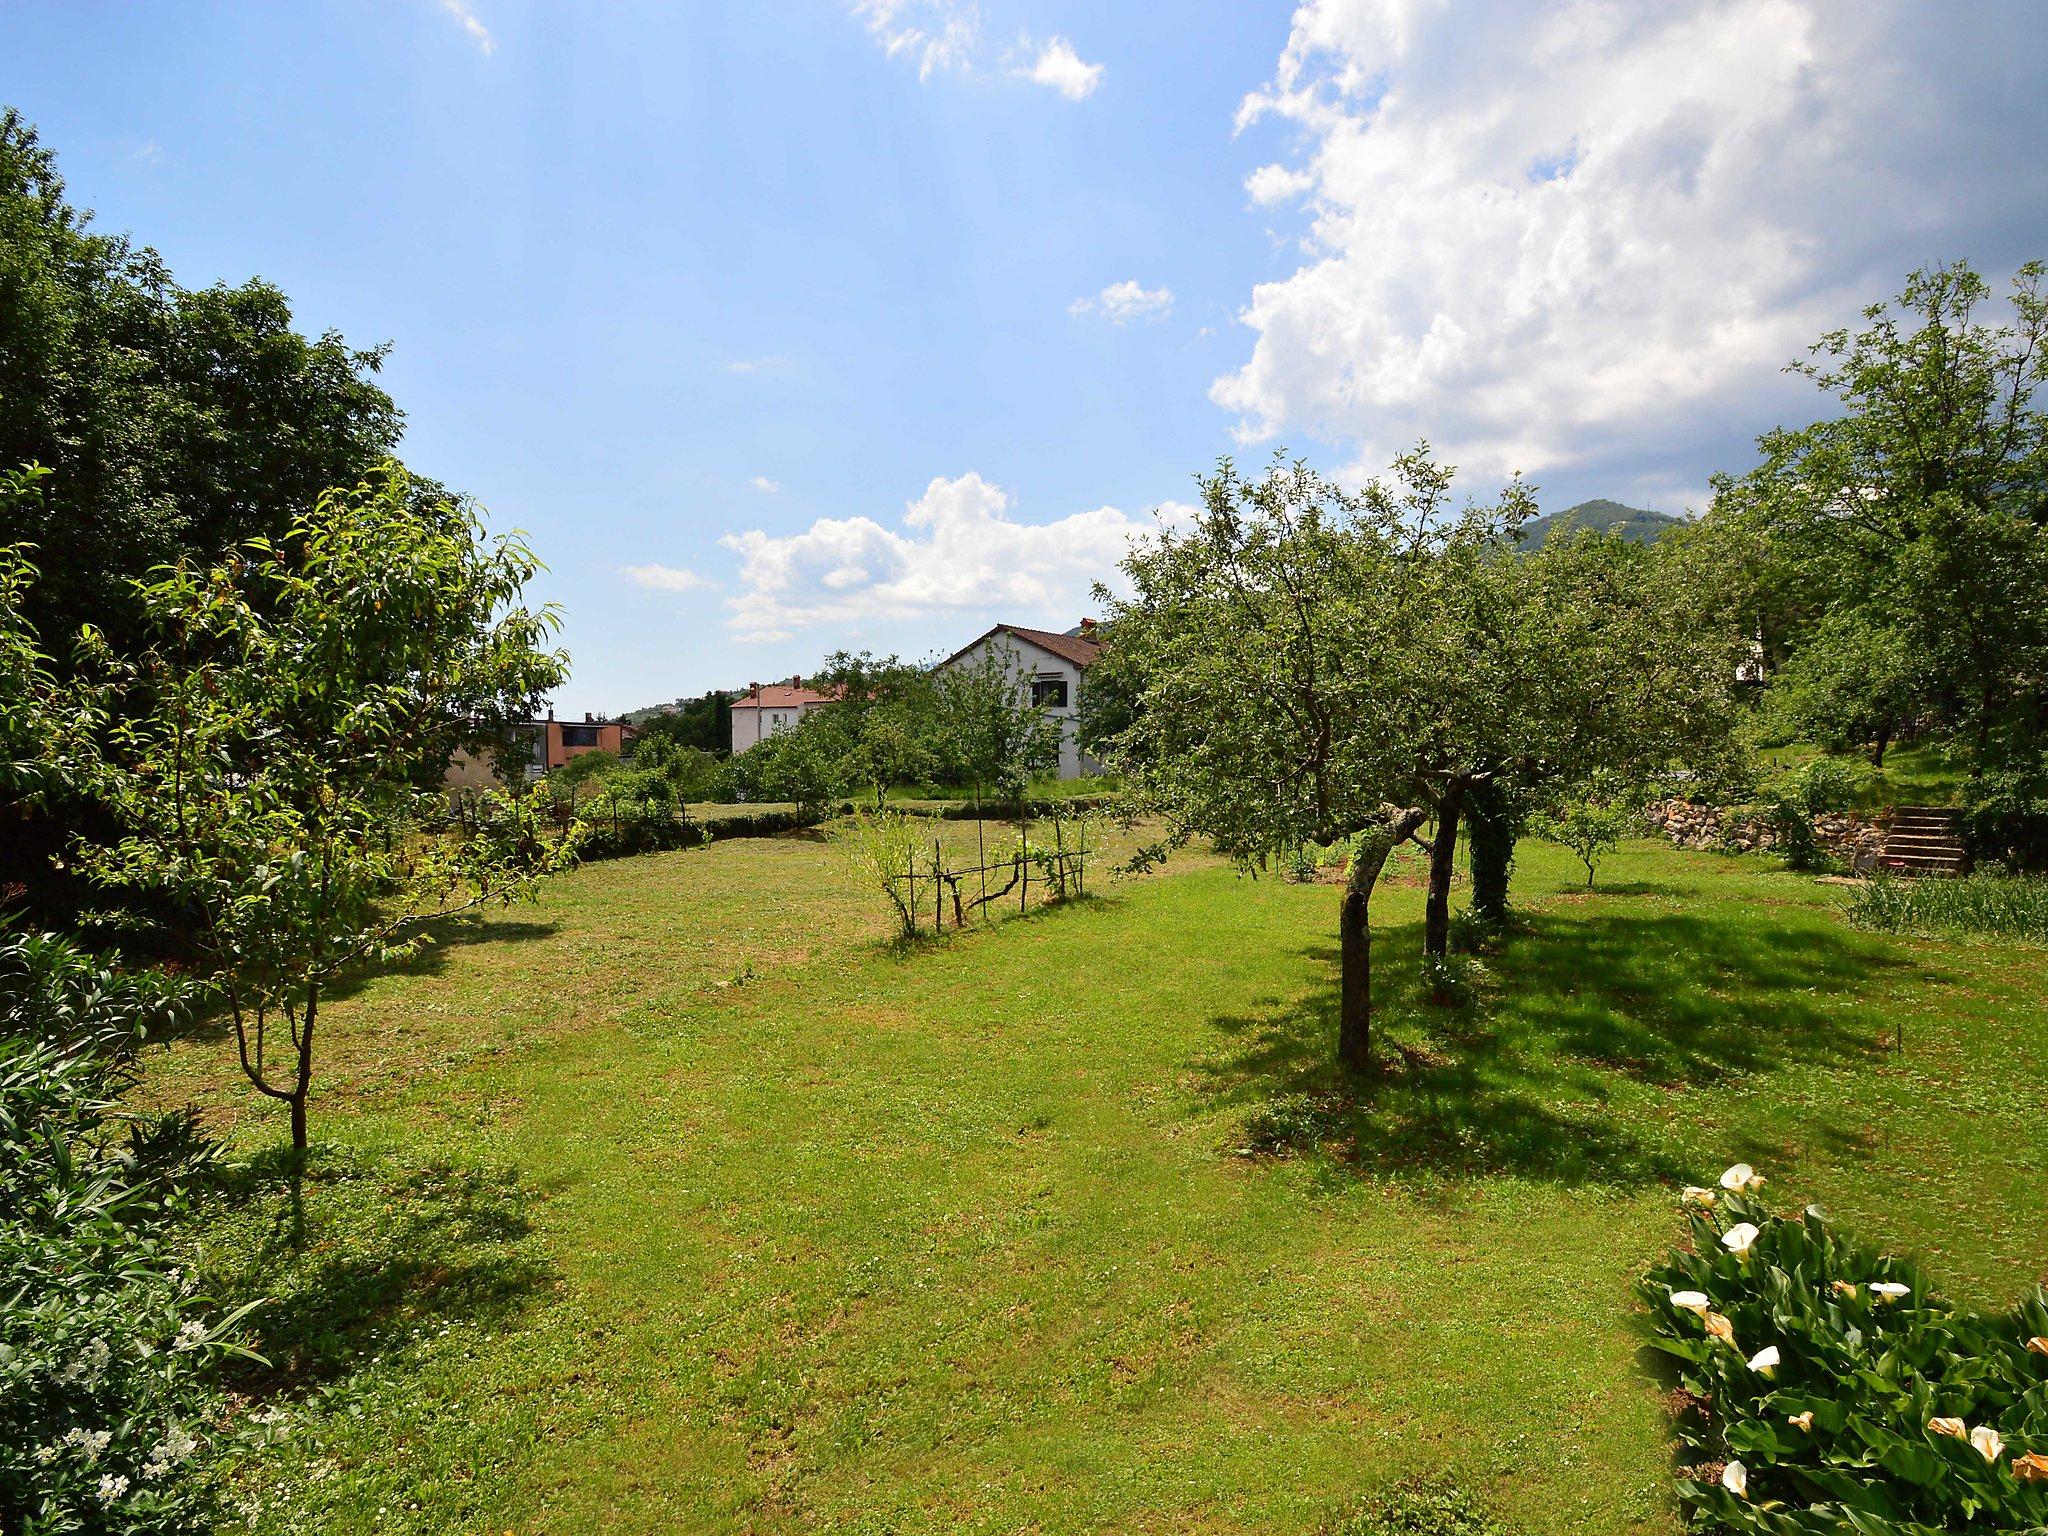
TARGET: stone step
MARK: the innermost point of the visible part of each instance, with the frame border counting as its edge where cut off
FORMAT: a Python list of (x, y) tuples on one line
[(1923, 840)]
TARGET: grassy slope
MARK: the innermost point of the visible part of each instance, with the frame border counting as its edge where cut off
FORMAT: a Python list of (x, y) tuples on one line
[(958, 1238)]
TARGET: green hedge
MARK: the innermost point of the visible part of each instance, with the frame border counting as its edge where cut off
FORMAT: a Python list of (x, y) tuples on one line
[(1832, 1390)]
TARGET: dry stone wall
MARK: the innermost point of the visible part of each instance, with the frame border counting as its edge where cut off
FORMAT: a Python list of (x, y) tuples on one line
[(1855, 839)]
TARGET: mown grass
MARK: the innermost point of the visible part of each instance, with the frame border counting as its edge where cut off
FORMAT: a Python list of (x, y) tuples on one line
[(1914, 773), (684, 1201)]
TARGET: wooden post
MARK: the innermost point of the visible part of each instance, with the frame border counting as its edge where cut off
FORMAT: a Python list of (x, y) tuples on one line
[(910, 900), (938, 892)]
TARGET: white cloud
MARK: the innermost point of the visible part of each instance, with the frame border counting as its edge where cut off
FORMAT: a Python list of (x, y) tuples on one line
[(1059, 67), (663, 578), (946, 37), (757, 365), (1614, 241), (468, 20), (1126, 301), (763, 484), (1277, 184), (151, 153), (939, 34), (956, 550)]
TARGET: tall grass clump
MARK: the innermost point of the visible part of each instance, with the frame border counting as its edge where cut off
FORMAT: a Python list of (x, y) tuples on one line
[(1992, 906)]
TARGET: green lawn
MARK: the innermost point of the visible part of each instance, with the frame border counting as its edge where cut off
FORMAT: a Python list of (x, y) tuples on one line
[(682, 1202), (1914, 773)]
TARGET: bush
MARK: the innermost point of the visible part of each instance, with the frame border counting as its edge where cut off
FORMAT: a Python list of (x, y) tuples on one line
[(1833, 1391), (109, 1408), (1995, 906), (1420, 1507), (1831, 785), (2005, 817)]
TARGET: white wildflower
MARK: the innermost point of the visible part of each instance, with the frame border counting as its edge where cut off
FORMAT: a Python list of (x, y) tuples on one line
[(1690, 1301), (190, 1335), (112, 1486)]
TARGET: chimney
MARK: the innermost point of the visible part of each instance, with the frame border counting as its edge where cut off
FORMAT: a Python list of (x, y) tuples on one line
[(753, 690), (796, 680), (588, 717), (1087, 626)]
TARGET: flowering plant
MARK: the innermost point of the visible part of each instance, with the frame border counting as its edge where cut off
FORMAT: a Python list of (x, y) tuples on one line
[(1830, 1390)]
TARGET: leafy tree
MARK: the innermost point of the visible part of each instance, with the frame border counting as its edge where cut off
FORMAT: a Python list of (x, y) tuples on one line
[(272, 752), (178, 424), (881, 718), (987, 734), (1851, 681), (1904, 540), (1313, 664), (804, 765), (703, 723), (1592, 823)]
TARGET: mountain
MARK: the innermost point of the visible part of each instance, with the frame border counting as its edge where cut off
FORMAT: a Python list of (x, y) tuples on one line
[(1637, 524)]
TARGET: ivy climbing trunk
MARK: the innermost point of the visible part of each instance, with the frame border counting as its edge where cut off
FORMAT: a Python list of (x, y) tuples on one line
[(1354, 928), (1494, 821)]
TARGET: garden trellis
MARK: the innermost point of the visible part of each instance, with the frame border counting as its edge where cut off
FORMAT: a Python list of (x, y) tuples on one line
[(929, 884)]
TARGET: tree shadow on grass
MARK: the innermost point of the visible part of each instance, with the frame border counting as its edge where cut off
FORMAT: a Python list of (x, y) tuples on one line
[(447, 935), (386, 1254), (1560, 1068)]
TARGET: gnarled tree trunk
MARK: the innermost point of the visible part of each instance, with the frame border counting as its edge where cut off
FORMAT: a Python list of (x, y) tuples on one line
[(1495, 822), (1354, 928)]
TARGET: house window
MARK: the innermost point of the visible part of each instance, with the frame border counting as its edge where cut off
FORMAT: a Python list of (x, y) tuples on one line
[(579, 735), (1049, 692)]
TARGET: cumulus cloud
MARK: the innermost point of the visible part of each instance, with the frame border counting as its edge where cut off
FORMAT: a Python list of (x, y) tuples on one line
[(664, 578), (1059, 67), (956, 549), (1128, 300), (468, 20), (1543, 235), (763, 484)]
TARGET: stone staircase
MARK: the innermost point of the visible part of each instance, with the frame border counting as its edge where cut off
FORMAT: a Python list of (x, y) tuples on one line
[(1923, 840)]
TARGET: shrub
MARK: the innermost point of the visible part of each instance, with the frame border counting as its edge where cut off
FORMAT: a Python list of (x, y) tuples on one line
[(1420, 1507), (1835, 1392), (1995, 906), (1591, 828), (109, 1410), (1832, 785), (2005, 817)]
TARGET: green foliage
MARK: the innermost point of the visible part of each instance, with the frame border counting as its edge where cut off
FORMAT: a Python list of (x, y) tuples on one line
[(882, 847), (1592, 825), (179, 422), (986, 733), (806, 766), (2005, 816), (1894, 552), (704, 723), (110, 1410), (1986, 905), (1421, 1507), (1838, 1391), (272, 753), (1831, 785)]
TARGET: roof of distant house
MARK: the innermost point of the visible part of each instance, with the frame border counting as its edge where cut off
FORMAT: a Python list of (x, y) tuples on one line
[(790, 695), (1080, 649)]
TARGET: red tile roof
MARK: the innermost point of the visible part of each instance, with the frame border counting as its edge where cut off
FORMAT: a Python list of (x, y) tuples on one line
[(782, 696), (1081, 651)]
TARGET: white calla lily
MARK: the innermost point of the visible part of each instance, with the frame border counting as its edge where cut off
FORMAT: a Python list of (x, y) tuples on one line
[(1735, 1478), (1740, 1238), (1889, 1290), (1695, 1195), (1987, 1442), (1765, 1361), (1690, 1301), (1740, 1179)]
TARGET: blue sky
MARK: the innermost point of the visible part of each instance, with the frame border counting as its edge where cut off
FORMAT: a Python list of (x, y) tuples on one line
[(785, 327)]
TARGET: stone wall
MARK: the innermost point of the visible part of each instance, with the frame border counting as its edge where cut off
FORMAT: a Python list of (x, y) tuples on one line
[(1852, 837)]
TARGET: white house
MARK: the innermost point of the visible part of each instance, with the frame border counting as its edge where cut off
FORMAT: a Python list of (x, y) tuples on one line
[(1051, 670), (766, 708)]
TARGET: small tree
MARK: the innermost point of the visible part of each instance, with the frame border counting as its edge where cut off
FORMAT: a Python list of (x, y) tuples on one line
[(986, 731), (274, 748), (1591, 824)]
